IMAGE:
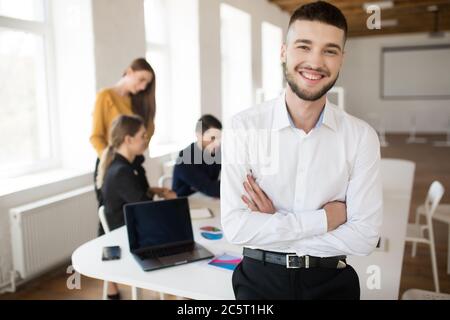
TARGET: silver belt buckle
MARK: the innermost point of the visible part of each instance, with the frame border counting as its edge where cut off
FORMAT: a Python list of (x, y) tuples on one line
[(288, 261)]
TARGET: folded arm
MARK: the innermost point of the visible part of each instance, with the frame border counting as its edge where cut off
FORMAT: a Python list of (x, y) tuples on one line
[(244, 226), (360, 234)]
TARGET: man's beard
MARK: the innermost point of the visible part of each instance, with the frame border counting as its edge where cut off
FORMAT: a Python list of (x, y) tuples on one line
[(303, 94)]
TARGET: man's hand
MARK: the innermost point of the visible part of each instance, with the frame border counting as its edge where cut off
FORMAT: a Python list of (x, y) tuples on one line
[(258, 200), (156, 190), (164, 193), (169, 194), (336, 214)]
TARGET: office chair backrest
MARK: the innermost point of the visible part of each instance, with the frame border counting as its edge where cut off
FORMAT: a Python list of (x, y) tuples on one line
[(102, 217), (397, 175), (434, 196), (165, 181)]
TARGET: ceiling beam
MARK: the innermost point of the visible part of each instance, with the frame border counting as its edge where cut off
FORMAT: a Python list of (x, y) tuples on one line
[(412, 15)]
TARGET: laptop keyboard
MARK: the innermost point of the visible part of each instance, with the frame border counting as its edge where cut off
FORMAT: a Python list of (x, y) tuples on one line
[(164, 252)]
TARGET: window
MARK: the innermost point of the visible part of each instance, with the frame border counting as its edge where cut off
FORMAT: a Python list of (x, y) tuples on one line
[(73, 40), (26, 143), (158, 55), (236, 61), (32, 10), (173, 51), (272, 39)]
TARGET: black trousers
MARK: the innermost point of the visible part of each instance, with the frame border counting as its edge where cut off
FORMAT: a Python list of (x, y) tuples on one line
[(255, 280)]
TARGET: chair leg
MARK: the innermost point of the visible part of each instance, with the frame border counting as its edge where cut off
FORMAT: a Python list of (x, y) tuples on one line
[(434, 266), (414, 249), (136, 293), (417, 221), (414, 244), (105, 290)]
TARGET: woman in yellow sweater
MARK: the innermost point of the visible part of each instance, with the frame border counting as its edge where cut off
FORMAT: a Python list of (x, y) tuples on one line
[(133, 94)]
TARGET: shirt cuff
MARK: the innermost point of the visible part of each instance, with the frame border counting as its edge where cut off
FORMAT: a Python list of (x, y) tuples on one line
[(313, 223)]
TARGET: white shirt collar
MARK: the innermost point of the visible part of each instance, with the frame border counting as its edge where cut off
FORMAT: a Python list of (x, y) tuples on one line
[(281, 116)]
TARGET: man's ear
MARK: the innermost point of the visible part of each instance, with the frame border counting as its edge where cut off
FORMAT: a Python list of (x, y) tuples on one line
[(283, 53), (343, 58)]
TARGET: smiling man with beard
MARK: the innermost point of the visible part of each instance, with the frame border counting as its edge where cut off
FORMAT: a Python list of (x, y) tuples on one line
[(301, 188)]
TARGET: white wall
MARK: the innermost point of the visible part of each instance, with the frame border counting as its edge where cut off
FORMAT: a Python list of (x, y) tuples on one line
[(210, 65), (361, 79), (119, 37)]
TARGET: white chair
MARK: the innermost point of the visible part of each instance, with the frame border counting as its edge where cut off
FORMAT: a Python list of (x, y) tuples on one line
[(397, 176), (416, 294), (379, 123), (441, 214), (134, 291), (165, 181), (416, 232)]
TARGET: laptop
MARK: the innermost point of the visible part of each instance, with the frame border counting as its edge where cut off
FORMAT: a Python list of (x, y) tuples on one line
[(160, 234)]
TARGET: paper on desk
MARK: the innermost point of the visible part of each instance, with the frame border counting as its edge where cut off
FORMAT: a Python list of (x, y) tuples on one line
[(203, 213), (225, 261)]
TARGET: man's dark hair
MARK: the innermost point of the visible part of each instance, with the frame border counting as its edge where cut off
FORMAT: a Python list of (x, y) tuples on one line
[(323, 12), (207, 122)]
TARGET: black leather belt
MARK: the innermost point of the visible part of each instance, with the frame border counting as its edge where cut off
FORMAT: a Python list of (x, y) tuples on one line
[(292, 261)]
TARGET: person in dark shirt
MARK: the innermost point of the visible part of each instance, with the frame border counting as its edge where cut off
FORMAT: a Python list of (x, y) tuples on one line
[(197, 168), (121, 176)]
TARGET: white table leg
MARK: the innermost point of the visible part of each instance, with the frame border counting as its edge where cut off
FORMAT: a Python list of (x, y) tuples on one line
[(136, 293), (448, 251), (105, 290)]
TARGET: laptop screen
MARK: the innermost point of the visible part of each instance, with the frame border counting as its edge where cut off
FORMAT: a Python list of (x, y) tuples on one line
[(158, 223)]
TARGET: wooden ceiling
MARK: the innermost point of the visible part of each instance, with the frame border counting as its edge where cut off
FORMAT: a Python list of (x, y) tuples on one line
[(411, 15)]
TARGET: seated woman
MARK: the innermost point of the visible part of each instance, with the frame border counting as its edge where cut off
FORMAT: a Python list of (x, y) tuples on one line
[(121, 176), (197, 168)]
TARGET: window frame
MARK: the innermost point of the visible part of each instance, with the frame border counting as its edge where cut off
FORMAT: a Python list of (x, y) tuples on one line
[(168, 142), (225, 60), (164, 50), (43, 29), (265, 26)]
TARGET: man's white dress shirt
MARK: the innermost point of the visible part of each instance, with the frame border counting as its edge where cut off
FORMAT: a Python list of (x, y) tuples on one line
[(339, 160)]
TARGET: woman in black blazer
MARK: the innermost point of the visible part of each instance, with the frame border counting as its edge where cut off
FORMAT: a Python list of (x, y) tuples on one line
[(121, 176)]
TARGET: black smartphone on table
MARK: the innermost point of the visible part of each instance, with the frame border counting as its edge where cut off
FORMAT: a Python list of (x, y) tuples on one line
[(111, 253)]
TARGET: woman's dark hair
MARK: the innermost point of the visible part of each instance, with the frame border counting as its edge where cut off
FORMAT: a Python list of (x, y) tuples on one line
[(207, 122), (144, 103), (323, 12), (121, 127)]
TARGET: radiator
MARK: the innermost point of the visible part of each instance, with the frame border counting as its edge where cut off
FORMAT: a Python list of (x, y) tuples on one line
[(45, 233)]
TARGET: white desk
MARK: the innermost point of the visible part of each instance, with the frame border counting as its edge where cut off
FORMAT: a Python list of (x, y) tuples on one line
[(195, 280), (200, 281), (396, 212)]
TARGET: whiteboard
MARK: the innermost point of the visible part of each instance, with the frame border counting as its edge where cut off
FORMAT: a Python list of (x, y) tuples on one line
[(419, 72)]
